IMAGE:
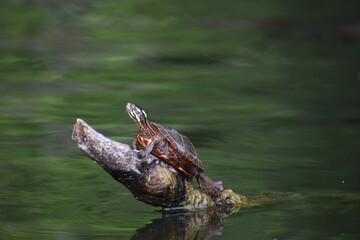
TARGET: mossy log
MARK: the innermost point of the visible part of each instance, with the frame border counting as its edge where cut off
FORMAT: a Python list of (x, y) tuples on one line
[(150, 179)]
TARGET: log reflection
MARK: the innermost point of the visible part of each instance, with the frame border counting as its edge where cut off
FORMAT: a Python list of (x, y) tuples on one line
[(184, 226)]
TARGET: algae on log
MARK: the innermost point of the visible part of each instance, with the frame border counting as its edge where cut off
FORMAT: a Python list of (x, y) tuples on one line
[(150, 180)]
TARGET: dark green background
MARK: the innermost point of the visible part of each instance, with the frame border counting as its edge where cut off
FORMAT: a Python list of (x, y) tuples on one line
[(268, 91)]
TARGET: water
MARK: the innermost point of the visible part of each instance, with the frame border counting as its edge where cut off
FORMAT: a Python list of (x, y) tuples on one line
[(269, 96)]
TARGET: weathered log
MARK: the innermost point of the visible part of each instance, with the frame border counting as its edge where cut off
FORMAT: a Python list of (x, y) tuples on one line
[(150, 179)]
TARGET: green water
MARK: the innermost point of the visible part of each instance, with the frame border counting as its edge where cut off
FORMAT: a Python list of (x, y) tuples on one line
[(268, 92)]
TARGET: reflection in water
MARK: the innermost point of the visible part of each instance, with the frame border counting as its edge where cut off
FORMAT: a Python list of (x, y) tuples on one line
[(181, 226)]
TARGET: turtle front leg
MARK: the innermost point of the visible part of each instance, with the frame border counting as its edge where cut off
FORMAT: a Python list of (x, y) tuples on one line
[(145, 153), (150, 147), (135, 144)]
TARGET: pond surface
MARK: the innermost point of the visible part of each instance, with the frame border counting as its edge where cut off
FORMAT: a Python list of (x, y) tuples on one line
[(269, 93)]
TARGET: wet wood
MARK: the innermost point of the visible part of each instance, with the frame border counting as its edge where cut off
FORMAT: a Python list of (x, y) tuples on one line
[(150, 179)]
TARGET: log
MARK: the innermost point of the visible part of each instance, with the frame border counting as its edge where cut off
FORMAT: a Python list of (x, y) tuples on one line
[(150, 180)]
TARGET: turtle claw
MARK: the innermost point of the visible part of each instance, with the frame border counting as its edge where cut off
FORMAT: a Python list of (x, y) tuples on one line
[(142, 154)]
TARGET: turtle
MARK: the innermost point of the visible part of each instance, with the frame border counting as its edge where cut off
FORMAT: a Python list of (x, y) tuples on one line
[(172, 147)]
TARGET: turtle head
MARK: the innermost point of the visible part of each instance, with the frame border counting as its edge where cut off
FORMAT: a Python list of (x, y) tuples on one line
[(137, 114), (140, 118)]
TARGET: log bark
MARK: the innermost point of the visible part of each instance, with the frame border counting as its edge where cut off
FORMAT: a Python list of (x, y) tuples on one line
[(150, 179)]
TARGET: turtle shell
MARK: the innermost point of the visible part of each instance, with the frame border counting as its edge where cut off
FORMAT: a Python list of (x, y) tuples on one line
[(182, 145)]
